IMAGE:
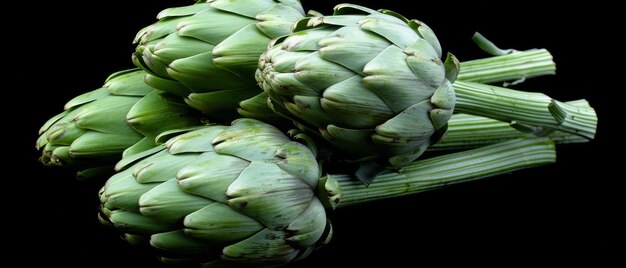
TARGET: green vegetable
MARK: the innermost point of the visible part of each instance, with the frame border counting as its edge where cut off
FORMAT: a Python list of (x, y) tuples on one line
[(470, 131), (99, 127), (248, 195), (158, 107), (207, 53), (373, 84)]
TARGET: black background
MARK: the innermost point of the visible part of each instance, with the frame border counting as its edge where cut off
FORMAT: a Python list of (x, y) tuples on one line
[(563, 213)]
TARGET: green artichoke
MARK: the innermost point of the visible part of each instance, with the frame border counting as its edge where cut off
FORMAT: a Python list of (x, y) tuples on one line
[(248, 195), (207, 53), (370, 77), (373, 84), (121, 118), (245, 191)]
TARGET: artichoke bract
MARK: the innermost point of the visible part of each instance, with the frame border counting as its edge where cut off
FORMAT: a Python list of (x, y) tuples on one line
[(207, 53), (121, 118), (241, 194), (247, 195), (373, 84)]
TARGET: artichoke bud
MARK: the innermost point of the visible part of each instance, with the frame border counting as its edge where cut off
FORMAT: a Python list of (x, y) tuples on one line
[(371, 83), (82, 137), (207, 53), (122, 118), (242, 194)]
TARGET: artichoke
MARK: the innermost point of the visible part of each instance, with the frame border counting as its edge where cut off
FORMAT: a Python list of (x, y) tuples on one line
[(121, 118), (364, 77), (244, 191), (248, 195), (373, 84), (207, 53)]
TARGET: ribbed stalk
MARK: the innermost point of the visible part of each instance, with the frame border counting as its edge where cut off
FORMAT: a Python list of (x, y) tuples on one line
[(509, 67), (437, 172), (470, 131), (534, 112)]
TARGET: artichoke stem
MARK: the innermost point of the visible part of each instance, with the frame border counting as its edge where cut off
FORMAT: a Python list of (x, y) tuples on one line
[(470, 131), (527, 111), (437, 172), (518, 65)]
